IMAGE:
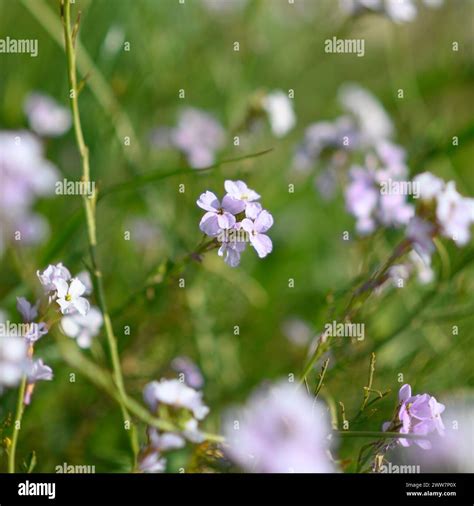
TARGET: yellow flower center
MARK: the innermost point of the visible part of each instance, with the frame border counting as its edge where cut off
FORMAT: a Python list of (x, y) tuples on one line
[(68, 298)]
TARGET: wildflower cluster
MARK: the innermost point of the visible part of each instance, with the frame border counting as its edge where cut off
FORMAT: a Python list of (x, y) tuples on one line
[(237, 219), (417, 414), (179, 405)]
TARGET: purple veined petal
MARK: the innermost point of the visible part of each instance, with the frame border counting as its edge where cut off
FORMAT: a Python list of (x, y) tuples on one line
[(76, 288), (82, 305), (226, 220), (253, 209), (247, 225), (404, 393), (61, 287), (208, 201), (262, 244), (263, 222), (232, 205), (209, 224)]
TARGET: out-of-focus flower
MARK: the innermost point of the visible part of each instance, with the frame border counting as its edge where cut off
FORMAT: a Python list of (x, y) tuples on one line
[(430, 186), (399, 11), (35, 332), (13, 360), (83, 328), (38, 371), (297, 331), (455, 213), (69, 297), (256, 230), (418, 414), (280, 430), (279, 108), (51, 274), (176, 394), (26, 175), (224, 6), (46, 117), (199, 136), (374, 123), (28, 311), (152, 462), (165, 441), (420, 232), (190, 371), (422, 263)]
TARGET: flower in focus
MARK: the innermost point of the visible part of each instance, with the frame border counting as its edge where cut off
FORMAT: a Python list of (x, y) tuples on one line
[(38, 371), (418, 414), (52, 274), (69, 296), (218, 216), (280, 112), (83, 328), (46, 117), (280, 430), (256, 229), (199, 136), (13, 360)]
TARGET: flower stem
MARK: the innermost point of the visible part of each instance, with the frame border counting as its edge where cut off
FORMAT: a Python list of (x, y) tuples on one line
[(89, 206), (20, 408)]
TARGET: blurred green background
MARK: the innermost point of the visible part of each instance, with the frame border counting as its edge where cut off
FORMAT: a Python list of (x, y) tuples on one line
[(189, 47)]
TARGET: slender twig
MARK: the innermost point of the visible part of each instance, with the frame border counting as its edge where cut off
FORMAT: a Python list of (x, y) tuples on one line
[(20, 408), (89, 206), (321, 377), (368, 388)]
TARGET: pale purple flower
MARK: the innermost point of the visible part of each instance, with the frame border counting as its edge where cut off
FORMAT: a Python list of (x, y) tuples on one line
[(394, 210), (430, 186), (69, 296), (199, 136), (85, 278), (176, 394), (46, 117), (25, 176), (374, 123), (218, 216), (38, 371), (256, 229), (418, 414), (83, 328), (279, 108), (421, 232), (231, 252), (13, 360), (28, 311), (422, 263), (35, 332), (455, 213), (280, 430), (297, 331), (361, 199), (165, 441), (52, 274), (239, 190), (152, 462), (190, 371), (399, 11)]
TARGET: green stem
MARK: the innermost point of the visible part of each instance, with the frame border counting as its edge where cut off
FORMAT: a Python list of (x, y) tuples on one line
[(379, 435), (89, 206), (20, 408)]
